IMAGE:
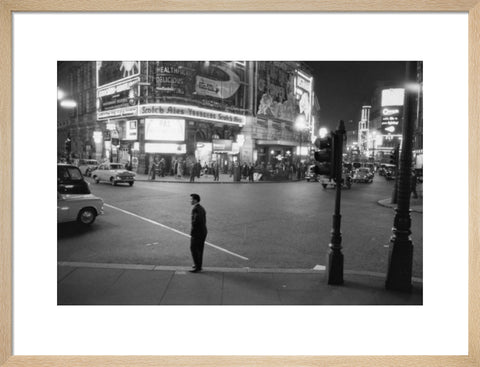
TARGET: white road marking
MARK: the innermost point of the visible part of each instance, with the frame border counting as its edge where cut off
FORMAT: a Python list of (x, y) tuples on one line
[(319, 267), (174, 230)]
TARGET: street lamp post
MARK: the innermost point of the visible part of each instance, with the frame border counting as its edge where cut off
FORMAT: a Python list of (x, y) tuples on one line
[(399, 275), (68, 104)]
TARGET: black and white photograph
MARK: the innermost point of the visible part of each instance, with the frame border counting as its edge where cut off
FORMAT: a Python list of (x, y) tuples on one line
[(240, 182)]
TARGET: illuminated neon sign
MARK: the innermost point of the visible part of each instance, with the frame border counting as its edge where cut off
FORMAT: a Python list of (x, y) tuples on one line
[(172, 110)]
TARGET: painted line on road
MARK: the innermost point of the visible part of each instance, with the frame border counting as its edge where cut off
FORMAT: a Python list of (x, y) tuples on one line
[(174, 230)]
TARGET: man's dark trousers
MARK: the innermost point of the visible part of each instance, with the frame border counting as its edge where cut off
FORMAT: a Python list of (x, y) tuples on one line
[(196, 247)]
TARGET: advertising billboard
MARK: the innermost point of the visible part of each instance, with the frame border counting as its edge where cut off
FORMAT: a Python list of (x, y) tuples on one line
[(222, 145), (109, 72), (164, 129), (393, 97), (211, 83)]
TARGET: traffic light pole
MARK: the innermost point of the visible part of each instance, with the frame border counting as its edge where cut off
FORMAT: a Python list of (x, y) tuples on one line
[(400, 258), (335, 256), (397, 174)]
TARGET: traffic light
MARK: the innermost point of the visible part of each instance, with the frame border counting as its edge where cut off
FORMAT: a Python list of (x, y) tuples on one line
[(68, 145), (324, 156), (394, 156)]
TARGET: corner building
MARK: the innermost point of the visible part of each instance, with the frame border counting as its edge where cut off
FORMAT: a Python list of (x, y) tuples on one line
[(186, 111)]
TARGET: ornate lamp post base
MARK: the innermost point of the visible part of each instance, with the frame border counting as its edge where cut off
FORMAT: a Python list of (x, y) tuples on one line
[(400, 259), (335, 266)]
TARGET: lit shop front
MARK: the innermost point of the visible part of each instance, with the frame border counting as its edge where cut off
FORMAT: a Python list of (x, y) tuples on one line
[(189, 133), (172, 133)]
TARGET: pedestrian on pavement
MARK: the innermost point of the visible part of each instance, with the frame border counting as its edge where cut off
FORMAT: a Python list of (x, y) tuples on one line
[(162, 166), (198, 169), (198, 233), (153, 169), (244, 170), (192, 172), (413, 184), (216, 171), (251, 170)]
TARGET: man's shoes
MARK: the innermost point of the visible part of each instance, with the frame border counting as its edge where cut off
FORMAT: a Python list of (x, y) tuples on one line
[(195, 270)]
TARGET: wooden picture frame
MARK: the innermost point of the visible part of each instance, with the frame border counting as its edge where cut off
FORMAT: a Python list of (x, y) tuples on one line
[(8, 7)]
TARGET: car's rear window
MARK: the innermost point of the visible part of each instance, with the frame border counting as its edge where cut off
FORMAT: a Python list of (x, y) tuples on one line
[(70, 181), (69, 173), (116, 166)]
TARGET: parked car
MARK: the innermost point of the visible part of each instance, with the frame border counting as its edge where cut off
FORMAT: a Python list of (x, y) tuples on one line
[(113, 173), (384, 167), (70, 180), (346, 180), (74, 199), (80, 208), (390, 173), (363, 174), (310, 174), (86, 166)]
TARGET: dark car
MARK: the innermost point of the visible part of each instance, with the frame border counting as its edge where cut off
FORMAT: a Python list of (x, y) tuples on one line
[(70, 180)]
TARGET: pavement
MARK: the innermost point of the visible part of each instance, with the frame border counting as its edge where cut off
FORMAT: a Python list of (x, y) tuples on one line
[(223, 178), (127, 284), (138, 284)]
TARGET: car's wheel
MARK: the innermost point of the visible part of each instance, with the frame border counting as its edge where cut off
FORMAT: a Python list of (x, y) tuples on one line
[(324, 186), (130, 183), (87, 216), (96, 179)]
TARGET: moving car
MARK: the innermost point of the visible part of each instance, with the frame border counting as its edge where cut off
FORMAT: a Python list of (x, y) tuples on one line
[(363, 174), (86, 166), (74, 199), (113, 173)]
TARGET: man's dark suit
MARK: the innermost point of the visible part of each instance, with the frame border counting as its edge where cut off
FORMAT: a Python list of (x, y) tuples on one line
[(198, 233)]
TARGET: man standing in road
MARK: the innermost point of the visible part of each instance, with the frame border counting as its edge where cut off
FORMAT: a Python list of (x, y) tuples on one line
[(198, 233)]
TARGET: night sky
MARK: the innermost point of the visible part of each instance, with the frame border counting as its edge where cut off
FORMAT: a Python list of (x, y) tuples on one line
[(343, 87)]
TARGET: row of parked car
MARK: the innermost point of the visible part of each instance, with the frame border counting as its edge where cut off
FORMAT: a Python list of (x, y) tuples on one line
[(350, 174)]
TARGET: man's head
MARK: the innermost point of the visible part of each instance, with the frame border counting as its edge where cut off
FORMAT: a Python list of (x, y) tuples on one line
[(195, 198)]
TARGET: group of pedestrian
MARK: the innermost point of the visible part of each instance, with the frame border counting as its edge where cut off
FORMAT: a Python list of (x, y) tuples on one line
[(247, 171), (195, 171), (157, 167)]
